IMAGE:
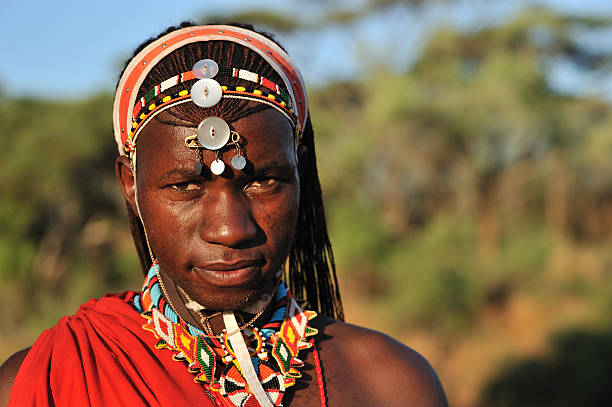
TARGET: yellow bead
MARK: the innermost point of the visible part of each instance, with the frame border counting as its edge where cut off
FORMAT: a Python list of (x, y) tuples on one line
[(142, 116), (271, 97), (183, 92), (257, 92), (152, 106), (166, 99), (240, 89), (223, 87), (134, 125), (283, 103)]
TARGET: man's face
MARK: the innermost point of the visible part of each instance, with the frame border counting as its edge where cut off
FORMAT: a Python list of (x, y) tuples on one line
[(221, 238)]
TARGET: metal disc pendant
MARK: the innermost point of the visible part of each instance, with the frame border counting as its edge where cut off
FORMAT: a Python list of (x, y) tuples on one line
[(213, 133), (238, 162), (197, 168), (206, 68), (206, 92), (217, 167)]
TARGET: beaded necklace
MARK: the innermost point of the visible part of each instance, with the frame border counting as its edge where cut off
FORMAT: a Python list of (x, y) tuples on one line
[(273, 348)]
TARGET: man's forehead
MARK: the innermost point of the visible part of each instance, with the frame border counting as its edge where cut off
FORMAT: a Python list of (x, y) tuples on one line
[(265, 136)]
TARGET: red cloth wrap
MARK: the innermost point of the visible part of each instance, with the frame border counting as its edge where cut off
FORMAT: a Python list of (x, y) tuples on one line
[(102, 357)]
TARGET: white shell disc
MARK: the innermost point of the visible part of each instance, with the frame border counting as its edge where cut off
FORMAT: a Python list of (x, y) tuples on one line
[(217, 167), (238, 162), (206, 92), (206, 68), (213, 133)]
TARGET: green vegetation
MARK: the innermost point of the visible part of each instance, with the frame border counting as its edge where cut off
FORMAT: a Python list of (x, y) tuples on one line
[(63, 237), (454, 191), (464, 174)]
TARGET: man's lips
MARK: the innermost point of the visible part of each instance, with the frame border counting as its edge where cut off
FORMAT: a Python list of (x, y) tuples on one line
[(223, 266), (222, 274)]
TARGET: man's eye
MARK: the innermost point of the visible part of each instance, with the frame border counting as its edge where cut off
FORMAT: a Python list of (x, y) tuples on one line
[(185, 186), (263, 183)]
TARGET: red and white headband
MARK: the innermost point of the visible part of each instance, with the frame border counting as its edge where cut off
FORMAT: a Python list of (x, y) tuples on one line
[(130, 114)]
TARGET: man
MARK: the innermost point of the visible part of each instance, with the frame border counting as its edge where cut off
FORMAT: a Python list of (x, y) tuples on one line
[(218, 171)]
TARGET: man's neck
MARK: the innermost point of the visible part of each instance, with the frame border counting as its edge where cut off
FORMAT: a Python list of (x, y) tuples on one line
[(208, 320)]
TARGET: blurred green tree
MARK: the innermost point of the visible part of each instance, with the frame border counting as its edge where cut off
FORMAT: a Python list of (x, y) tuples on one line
[(450, 187)]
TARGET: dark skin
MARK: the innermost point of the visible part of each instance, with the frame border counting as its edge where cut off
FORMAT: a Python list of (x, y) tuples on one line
[(223, 239), (230, 233)]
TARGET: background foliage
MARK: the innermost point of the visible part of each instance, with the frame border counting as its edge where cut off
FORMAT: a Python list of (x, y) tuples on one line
[(469, 205)]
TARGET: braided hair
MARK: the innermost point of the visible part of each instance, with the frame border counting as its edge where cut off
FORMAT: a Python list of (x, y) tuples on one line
[(311, 272)]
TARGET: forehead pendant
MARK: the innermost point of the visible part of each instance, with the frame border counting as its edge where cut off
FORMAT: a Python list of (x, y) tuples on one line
[(213, 132), (238, 162)]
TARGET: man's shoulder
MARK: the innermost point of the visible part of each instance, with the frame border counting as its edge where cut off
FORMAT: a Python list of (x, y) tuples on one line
[(8, 372), (388, 370), (353, 340), (108, 311)]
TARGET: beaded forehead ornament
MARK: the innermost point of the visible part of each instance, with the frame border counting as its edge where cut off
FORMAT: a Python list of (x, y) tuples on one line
[(131, 115)]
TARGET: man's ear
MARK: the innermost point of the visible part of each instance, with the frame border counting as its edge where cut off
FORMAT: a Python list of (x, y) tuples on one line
[(123, 171)]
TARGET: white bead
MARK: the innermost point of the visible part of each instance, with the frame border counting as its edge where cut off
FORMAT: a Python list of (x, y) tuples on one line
[(217, 167)]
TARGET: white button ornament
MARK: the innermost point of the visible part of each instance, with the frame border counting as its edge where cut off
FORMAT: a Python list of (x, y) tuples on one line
[(213, 133), (217, 167), (206, 92), (238, 162), (206, 68)]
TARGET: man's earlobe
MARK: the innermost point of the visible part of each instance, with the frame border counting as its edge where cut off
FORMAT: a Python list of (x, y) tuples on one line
[(125, 176)]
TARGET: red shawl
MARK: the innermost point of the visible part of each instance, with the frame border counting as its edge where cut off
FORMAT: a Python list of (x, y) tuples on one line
[(102, 357)]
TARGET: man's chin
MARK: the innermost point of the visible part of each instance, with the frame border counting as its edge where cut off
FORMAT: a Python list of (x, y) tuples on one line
[(232, 300)]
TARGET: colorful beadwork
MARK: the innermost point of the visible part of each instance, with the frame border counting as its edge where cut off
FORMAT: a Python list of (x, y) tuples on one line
[(162, 87), (283, 337), (255, 78), (126, 96), (136, 113), (189, 75), (184, 96), (319, 372), (234, 387)]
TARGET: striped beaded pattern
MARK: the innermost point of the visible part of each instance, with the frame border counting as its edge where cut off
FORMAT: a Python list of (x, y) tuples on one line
[(162, 87), (204, 355), (255, 78), (238, 92), (283, 95), (139, 67)]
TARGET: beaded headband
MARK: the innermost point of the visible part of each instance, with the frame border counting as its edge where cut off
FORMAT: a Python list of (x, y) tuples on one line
[(277, 99), (233, 72), (289, 98)]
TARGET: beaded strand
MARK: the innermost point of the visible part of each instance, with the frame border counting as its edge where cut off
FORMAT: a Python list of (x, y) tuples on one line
[(189, 75), (237, 92), (319, 372), (275, 346)]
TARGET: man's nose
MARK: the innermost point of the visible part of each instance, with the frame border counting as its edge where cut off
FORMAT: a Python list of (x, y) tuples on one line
[(228, 220)]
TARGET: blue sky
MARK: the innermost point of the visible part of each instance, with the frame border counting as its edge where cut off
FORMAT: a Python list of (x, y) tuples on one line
[(70, 48)]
